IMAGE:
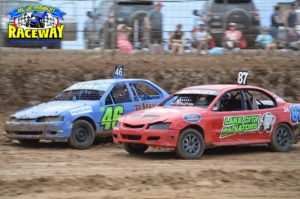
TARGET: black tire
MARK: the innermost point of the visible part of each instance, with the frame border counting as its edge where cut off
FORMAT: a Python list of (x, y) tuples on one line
[(29, 142), (190, 144), (82, 136), (282, 139), (135, 148)]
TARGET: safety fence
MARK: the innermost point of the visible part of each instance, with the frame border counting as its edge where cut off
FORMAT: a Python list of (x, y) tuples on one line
[(104, 24)]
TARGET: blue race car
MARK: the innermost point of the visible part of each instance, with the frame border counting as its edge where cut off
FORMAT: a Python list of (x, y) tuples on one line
[(83, 111)]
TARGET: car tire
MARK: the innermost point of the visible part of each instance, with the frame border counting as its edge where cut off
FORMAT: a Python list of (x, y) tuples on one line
[(29, 142), (190, 144), (135, 148), (82, 136), (282, 139)]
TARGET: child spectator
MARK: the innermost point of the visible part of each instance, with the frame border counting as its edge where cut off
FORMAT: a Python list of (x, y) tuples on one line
[(176, 40), (125, 47), (233, 37), (265, 40), (201, 39)]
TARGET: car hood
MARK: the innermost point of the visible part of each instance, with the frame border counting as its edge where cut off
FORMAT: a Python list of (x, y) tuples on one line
[(159, 114), (52, 108)]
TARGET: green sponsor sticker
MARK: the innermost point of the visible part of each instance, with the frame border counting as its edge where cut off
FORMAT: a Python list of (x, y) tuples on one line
[(239, 124)]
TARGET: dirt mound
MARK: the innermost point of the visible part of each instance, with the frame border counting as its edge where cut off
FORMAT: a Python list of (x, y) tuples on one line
[(36, 76)]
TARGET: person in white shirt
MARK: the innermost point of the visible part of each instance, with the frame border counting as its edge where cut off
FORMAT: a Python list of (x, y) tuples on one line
[(201, 39)]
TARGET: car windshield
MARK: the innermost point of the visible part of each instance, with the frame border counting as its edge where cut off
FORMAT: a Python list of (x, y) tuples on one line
[(199, 100), (82, 94), (7, 6)]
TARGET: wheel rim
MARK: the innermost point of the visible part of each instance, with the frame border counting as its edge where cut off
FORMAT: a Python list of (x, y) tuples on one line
[(81, 134), (283, 137), (191, 144)]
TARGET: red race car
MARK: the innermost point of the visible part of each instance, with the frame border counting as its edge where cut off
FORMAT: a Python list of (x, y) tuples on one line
[(212, 115)]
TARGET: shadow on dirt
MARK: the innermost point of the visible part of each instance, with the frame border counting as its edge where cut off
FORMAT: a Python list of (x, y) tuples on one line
[(211, 152)]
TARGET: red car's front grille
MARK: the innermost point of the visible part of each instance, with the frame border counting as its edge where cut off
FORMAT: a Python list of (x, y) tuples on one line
[(131, 137)]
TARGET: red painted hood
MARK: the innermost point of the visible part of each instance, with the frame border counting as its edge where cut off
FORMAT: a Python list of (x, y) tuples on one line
[(159, 114)]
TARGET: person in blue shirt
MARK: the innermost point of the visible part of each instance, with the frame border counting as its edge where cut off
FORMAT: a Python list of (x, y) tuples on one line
[(265, 40)]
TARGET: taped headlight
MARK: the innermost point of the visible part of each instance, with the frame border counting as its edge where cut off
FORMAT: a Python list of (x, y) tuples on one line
[(159, 126), (51, 119)]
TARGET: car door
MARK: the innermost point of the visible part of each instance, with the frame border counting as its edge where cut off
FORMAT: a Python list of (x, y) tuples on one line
[(117, 103), (231, 120), (257, 102), (145, 95), (241, 119)]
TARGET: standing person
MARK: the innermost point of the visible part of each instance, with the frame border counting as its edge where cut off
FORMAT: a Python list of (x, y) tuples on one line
[(153, 23), (233, 37), (124, 44), (291, 17), (265, 40), (201, 39), (275, 22), (176, 40)]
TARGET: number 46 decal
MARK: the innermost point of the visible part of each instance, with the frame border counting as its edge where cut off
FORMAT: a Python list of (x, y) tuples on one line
[(110, 117)]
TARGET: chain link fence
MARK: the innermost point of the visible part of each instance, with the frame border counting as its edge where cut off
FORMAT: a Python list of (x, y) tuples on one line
[(94, 24)]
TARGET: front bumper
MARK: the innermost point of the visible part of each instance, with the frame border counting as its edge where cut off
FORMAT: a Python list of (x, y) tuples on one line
[(158, 138), (59, 131)]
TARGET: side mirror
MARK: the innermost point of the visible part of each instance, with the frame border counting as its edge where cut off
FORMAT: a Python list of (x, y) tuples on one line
[(89, 14)]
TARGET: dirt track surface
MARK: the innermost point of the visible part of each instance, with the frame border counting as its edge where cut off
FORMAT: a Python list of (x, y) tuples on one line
[(105, 171), (52, 170)]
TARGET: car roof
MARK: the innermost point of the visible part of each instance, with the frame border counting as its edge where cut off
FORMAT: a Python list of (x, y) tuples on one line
[(112, 81), (221, 87), (102, 84)]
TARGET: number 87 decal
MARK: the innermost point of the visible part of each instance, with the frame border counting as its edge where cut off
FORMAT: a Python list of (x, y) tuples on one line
[(110, 117), (295, 114)]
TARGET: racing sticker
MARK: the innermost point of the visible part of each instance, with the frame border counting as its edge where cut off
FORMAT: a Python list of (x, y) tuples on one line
[(81, 110), (295, 114), (110, 117), (192, 118), (246, 124)]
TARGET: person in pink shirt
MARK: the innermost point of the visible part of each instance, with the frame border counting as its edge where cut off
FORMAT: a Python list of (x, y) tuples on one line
[(124, 45), (233, 37)]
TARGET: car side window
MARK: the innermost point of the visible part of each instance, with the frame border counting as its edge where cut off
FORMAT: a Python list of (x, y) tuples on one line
[(230, 101), (108, 100), (119, 94), (146, 91), (258, 100)]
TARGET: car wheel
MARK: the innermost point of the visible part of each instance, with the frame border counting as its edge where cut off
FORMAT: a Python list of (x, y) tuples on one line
[(282, 139), (190, 144), (135, 148), (29, 142), (82, 136)]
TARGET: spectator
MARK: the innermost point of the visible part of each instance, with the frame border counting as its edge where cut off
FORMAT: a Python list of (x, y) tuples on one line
[(265, 40), (293, 39), (176, 40), (232, 37), (124, 45), (201, 39), (291, 17), (153, 23), (275, 22)]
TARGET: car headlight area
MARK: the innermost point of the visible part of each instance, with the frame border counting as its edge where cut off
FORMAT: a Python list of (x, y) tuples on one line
[(50, 119), (159, 126)]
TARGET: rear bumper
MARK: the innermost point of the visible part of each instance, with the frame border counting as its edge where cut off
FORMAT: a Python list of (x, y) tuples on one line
[(59, 131), (158, 138)]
